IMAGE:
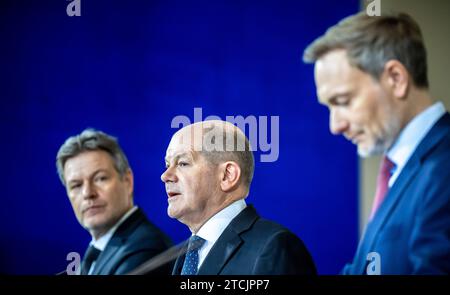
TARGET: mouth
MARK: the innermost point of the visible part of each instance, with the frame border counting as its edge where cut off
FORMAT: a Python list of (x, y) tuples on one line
[(172, 194), (92, 210), (355, 139)]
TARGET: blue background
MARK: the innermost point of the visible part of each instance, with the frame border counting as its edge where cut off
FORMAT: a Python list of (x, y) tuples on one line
[(128, 68)]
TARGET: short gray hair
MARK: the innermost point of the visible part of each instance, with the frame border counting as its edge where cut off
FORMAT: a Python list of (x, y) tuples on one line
[(91, 140), (371, 41), (242, 155)]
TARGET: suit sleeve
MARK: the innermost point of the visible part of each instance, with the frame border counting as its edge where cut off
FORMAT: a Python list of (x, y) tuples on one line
[(347, 269), (284, 254), (135, 259)]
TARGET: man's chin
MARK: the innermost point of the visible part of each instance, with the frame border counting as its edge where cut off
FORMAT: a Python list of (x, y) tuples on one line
[(171, 213), (94, 224), (365, 152)]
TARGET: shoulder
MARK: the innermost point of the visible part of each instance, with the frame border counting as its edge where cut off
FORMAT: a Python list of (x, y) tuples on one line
[(433, 156), (270, 241), (140, 233), (260, 231), (434, 165), (437, 142), (271, 231), (250, 223)]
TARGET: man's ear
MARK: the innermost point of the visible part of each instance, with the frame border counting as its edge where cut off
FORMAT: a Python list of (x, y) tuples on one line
[(230, 176), (396, 77), (129, 180)]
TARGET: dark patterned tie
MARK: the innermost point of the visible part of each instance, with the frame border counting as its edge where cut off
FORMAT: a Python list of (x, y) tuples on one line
[(190, 266), (89, 257)]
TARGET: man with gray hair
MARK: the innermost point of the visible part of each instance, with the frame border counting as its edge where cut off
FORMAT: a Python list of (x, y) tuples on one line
[(99, 183), (371, 73), (209, 169)]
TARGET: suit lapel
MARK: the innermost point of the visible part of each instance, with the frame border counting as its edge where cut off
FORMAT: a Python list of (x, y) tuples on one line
[(220, 253), (386, 208), (228, 242), (117, 241), (395, 194), (180, 260), (106, 256)]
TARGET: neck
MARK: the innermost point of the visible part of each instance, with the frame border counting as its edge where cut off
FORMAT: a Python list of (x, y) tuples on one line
[(194, 227), (417, 101), (97, 234)]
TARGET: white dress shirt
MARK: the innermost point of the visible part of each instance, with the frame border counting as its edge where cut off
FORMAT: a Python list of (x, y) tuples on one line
[(215, 226), (411, 136)]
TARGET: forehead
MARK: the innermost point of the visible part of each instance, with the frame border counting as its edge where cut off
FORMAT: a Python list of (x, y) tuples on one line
[(87, 162), (185, 141), (334, 74)]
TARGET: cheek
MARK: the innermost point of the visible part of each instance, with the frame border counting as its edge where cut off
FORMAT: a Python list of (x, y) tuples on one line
[(191, 190), (74, 202), (118, 198), (76, 205), (364, 113), (194, 189), (376, 119)]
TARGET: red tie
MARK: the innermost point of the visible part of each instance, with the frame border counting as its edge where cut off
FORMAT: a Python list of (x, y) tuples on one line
[(382, 184)]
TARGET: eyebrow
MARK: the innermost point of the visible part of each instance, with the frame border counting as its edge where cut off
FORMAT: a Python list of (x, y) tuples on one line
[(179, 155), (91, 175)]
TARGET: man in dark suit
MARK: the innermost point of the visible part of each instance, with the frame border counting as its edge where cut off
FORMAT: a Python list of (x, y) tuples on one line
[(99, 183), (371, 72), (209, 168)]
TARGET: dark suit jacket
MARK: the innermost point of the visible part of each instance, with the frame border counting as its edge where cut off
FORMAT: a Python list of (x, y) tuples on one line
[(135, 241), (251, 245), (411, 229)]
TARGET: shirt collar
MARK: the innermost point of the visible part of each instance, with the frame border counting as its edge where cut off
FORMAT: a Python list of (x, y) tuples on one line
[(412, 135), (103, 240), (214, 227)]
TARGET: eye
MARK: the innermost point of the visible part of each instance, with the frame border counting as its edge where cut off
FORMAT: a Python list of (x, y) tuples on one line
[(182, 164), (101, 178), (342, 101), (75, 186)]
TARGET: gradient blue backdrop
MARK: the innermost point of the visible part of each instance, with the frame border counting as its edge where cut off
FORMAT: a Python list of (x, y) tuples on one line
[(128, 68)]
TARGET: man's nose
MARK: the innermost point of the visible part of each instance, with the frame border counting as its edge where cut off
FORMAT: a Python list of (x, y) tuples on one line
[(88, 191), (168, 175), (338, 124)]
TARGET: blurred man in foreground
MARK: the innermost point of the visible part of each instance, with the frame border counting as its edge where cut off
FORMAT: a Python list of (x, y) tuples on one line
[(371, 73)]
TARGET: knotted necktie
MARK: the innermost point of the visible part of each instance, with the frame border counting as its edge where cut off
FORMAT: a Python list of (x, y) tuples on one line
[(384, 174), (190, 266), (89, 257)]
